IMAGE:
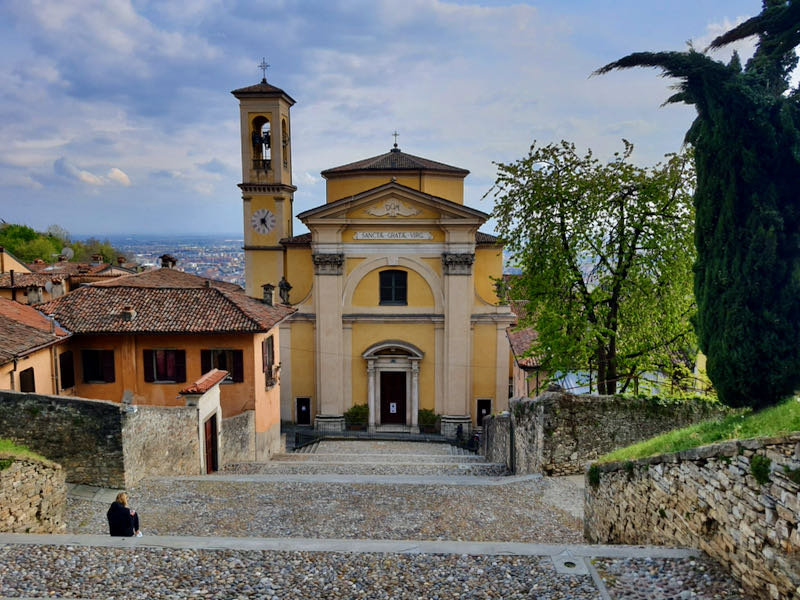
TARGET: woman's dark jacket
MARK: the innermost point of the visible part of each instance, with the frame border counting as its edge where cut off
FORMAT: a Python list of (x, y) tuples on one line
[(121, 521)]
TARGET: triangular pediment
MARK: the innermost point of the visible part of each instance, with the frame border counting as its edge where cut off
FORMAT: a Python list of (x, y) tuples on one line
[(393, 203)]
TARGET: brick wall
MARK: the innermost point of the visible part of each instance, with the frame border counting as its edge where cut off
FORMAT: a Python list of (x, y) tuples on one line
[(709, 498), (32, 496)]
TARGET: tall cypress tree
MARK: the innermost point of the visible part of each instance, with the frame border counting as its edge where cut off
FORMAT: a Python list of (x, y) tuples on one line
[(747, 150)]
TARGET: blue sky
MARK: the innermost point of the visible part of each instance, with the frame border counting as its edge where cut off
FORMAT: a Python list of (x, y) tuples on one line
[(116, 116)]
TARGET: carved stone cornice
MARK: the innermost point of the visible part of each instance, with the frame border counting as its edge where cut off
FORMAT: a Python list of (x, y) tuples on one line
[(268, 188), (328, 264), (457, 264)]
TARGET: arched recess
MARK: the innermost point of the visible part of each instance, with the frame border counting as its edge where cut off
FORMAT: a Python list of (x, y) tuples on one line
[(393, 358), (429, 275)]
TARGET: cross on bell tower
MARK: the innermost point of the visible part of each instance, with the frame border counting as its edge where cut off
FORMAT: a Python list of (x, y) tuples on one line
[(263, 65)]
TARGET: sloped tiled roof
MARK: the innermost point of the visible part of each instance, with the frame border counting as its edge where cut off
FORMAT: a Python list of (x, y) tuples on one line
[(67, 268), (395, 160), (521, 341), (24, 329), (205, 383), (24, 280), (163, 301)]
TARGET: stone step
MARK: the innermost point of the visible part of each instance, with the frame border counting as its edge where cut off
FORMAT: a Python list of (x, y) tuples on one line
[(376, 458), (357, 468)]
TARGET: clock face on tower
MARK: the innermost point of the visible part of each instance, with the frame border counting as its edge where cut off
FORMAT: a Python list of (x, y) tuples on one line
[(263, 221)]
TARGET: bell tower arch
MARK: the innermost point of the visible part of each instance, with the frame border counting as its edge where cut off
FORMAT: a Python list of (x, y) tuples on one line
[(267, 190)]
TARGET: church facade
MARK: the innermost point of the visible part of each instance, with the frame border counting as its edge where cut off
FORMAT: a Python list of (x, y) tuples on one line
[(393, 285)]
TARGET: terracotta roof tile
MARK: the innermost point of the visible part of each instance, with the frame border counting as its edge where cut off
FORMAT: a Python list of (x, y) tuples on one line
[(521, 341), (163, 301), (206, 382), (24, 329), (24, 280), (262, 89)]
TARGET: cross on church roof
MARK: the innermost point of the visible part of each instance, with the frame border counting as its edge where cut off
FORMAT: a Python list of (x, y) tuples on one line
[(395, 134), (264, 66)]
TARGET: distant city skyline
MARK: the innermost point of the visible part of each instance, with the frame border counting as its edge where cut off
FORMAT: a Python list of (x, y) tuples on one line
[(117, 116)]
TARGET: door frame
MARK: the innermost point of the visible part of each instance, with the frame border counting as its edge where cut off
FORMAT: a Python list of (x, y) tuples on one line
[(393, 355)]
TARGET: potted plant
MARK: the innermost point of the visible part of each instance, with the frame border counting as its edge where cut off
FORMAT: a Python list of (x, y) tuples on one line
[(356, 417), (428, 420)]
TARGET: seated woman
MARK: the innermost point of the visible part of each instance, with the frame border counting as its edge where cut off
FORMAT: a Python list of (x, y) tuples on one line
[(122, 520)]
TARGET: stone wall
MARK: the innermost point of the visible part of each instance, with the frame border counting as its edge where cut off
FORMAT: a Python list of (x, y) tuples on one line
[(558, 433), (103, 443), (496, 439), (709, 498), (83, 436), (160, 441), (33, 496), (238, 439)]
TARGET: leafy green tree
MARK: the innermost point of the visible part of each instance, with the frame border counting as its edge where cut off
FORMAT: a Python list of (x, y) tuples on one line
[(28, 245), (746, 139), (605, 251), (85, 250)]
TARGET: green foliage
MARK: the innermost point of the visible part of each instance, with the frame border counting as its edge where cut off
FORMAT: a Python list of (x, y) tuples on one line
[(760, 468), (9, 448), (593, 476), (605, 251), (358, 414), (629, 469), (741, 425), (747, 150), (27, 244), (426, 417), (792, 474), (5, 463)]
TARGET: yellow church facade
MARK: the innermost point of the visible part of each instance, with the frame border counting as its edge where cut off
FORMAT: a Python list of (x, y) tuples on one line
[(393, 285)]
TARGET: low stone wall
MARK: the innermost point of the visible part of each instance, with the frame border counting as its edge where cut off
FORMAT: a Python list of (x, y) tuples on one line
[(238, 439), (33, 496), (558, 433), (160, 441), (83, 436), (736, 501)]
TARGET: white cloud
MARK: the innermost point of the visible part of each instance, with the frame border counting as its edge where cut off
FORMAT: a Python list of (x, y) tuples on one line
[(119, 176)]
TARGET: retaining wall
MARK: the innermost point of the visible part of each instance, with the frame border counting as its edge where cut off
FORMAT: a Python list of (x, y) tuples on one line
[(558, 433), (709, 498), (238, 439), (33, 496)]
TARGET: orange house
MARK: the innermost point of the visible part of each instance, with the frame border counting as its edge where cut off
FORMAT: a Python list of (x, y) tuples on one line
[(30, 349), (144, 337)]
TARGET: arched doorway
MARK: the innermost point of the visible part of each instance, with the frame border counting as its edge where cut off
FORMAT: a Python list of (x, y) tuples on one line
[(393, 383)]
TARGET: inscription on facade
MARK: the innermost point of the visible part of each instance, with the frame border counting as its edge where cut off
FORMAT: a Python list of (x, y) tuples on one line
[(392, 235), (393, 208)]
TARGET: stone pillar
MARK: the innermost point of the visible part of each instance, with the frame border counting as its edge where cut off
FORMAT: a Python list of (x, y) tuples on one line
[(459, 292), (414, 392), (328, 270), (371, 391)]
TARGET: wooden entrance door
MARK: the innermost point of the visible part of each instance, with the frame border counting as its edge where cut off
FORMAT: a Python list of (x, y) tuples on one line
[(393, 397), (210, 427)]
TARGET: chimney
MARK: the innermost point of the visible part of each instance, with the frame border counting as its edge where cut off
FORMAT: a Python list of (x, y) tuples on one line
[(128, 313), (121, 260), (167, 261), (269, 293), (62, 258), (97, 259), (207, 283)]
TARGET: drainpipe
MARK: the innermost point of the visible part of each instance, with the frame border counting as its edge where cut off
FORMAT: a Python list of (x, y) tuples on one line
[(14, 370), (2, 260), (13, 289), (54, 354)]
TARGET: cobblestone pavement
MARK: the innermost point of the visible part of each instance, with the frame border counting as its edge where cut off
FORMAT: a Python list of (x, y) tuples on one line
[(519, 511)]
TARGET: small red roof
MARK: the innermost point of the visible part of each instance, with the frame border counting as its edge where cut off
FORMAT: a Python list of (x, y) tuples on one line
[(205, 383)]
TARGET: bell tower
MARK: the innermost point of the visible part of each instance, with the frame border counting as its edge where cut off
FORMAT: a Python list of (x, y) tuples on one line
[(267, 190)]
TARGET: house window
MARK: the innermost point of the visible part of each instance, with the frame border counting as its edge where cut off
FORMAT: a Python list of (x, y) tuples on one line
[(27, 382), (224, 359), (98, 366), (66, 367), (268, 360), (394, 287), (165, 366)]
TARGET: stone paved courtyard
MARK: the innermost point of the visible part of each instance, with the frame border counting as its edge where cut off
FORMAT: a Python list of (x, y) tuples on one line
[(250, 505)]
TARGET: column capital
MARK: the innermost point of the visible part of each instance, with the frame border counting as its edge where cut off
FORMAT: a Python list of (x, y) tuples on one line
[(457, 264), (328, 264)]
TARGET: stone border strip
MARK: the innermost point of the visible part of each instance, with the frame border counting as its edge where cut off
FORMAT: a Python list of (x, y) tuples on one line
[(480, 480), (349, 546)]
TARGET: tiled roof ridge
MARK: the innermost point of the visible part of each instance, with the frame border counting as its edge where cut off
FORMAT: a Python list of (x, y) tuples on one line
[(205, 382)]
